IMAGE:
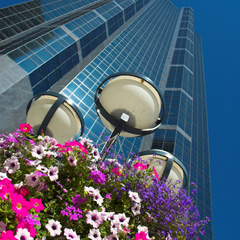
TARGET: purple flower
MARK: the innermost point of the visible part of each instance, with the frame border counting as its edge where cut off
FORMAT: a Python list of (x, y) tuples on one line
[(98, 177)]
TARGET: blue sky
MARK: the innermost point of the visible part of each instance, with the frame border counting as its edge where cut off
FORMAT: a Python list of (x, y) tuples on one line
[(218, 22)]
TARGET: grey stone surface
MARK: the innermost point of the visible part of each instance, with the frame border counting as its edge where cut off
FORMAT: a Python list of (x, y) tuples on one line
[(11, 73), (13, 103)]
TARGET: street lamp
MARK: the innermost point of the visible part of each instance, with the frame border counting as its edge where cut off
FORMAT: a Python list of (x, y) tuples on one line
[(169, 168), (129, 105), (55, 115)]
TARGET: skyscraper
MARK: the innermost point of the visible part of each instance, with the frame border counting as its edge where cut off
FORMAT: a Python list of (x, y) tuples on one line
[(72, 46)]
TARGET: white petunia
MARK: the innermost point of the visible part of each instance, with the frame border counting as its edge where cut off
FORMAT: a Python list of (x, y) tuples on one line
[(70, 234), (11, 165), (122, 219), (38, 152), (23, 233), (53, 173), (115, 227), (32, 179), (54, 227), (111, 237), (91, 191), (94, 234), (98, 198), (3, 175), (134, 196), (94, 218), (136, 209), (72, 160)]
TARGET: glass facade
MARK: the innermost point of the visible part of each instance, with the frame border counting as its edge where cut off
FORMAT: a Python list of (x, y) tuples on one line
[(149, 37)]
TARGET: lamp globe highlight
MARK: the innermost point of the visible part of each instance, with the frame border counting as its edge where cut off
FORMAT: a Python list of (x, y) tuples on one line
[(132, 95), (55, 115)]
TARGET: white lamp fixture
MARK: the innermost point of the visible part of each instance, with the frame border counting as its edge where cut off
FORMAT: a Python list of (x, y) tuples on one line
[(129, 105), (170, 168), (55, 115), (134, 95)]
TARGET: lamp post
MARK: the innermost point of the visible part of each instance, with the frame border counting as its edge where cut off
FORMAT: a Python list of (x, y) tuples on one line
[(55, 115), (129, 105), (169, 168)]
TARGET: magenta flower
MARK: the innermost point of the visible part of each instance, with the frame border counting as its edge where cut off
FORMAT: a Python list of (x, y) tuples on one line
[(141, 236), (19, 205), (8, 235), (117, 171), (36, 204), (25, 127), (108, 195), (6, 189), (76, 144), (140, 166), (155, 173)]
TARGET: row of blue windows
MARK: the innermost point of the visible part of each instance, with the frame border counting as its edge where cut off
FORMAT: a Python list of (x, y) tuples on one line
[(185, 33), (129, 12), (49, 73), (183, 57), (115, 23), (16, 19)]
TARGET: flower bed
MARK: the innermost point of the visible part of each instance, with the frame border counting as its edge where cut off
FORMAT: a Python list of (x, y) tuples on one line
[(54, 191)]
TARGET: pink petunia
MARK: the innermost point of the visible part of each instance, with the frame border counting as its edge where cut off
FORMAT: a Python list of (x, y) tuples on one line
[(19, 205), (117, 171), (108, 195), (25, 127), (155, 173), (8, 235), (78, 145), (36, 204), (6, 189), (140, 166), (141, 236)]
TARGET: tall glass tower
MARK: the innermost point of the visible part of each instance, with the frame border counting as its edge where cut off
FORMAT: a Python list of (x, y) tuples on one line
[(71, 46)]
